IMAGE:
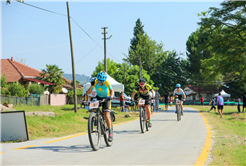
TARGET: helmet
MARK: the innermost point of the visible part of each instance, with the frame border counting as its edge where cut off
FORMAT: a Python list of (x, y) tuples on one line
[(178, 85), (92, 79), (102, 76), (142, 80)]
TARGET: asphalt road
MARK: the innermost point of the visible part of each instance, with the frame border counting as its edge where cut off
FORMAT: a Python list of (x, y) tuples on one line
[(169, 142)]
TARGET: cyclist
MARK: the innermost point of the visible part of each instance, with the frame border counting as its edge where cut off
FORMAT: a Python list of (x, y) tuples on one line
[(104, 91), (179, 93), (144, 91)]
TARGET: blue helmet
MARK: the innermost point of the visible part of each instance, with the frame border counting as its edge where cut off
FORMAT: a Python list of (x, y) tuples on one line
[(178, 85), (102, 76)]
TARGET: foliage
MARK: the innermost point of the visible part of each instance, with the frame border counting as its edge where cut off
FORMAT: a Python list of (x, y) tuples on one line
[(35, 88), (71, 92), (225, 28), (16, 89), (116, 71), (77, 83), (169, 73), (3, 80), (195, 55), (54, 75)]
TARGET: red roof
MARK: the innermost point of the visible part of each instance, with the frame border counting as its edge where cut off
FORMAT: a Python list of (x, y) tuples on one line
[(42, 82), (208, 89), (14, 71)]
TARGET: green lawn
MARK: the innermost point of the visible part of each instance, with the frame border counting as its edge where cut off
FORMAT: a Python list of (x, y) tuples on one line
[(65, 123), (229, 135)]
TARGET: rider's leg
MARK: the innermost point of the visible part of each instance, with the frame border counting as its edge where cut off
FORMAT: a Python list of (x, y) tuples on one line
[(107, 110), (108, 119), (181, 104), (148, 111)]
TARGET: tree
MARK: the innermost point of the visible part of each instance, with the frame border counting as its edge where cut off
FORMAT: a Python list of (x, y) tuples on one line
[(225, 28), (169, 73), (195, 55), (116, 71), (54, 75), (16, 89), (3, 80)]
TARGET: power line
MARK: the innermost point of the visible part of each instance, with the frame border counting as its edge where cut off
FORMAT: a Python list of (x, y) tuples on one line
[(42, 9)]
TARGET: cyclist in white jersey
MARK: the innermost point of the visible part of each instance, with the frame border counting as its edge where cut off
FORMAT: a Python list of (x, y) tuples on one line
[(179, 93)]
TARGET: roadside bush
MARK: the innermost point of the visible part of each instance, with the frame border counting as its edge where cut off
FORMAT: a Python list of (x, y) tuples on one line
[(16, 89), (3, 80), (36, 89)]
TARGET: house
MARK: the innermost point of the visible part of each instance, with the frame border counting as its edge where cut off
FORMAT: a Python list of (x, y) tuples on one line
[(195, 92), (17, 72)]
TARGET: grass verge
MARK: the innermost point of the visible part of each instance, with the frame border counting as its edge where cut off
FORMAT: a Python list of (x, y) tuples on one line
[(229, 135), (65, 123)]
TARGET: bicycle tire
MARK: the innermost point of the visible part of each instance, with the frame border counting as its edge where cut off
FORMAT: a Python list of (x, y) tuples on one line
[(94, 135), (106, 135), (180, 112), (177, 108), (142, 119), (146, 120)]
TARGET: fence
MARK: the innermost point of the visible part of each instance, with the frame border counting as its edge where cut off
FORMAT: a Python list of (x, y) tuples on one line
[(32, 100)]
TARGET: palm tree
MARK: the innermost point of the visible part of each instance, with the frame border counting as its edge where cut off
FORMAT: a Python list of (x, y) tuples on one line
[(54, 75)]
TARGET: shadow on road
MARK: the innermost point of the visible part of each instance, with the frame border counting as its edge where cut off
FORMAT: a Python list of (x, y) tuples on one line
[(164, 120), (66, 149), (127, 132), (185, 111)]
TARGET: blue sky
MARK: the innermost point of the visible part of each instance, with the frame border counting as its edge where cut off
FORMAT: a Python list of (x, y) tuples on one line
[(42, 38)]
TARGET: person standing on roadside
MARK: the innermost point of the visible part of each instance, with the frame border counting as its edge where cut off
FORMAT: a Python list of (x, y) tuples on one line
[(244, 101), (212, 102), (238, 103), (157, 97), (166, 101), (152, 95), (122, 104), (201, 100), (136, 102), (220, 104)]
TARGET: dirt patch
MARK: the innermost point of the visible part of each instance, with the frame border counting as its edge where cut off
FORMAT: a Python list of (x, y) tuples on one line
[(235, 115)]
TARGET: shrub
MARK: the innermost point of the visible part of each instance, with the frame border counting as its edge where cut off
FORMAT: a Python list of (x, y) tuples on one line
[(36, 89), (16, 89), (3, 80)]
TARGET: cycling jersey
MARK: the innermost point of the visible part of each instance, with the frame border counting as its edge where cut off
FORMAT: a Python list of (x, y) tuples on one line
[(102, 91), (180, 93), (144, 92)]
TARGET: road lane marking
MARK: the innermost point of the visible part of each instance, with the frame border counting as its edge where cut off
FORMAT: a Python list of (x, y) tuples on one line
[(25, 147), (2, 152), (206, 148), (85, 132), (65, 138)]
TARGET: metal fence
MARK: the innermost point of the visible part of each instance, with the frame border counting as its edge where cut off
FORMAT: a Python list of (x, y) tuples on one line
[(32, 100)]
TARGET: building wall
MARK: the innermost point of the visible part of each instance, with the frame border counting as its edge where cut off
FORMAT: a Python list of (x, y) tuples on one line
[(57, 99)]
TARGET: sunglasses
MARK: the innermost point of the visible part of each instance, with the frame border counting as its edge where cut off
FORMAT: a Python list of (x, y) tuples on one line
[(142, 83), (101, 81)]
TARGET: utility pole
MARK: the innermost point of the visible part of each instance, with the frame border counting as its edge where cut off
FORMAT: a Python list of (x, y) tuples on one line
[(71, 45), (140, 68), (105, 52)]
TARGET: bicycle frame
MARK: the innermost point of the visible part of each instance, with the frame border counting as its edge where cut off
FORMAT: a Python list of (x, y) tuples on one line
[(178, 109)]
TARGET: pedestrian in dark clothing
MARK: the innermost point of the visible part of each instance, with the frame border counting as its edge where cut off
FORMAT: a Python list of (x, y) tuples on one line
[(244, 101), (238, 103), (166, 100), (212, 102)]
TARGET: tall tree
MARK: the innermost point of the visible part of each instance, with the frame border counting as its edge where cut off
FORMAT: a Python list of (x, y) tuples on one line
[(195, 55), (54, 75), (226, 30)]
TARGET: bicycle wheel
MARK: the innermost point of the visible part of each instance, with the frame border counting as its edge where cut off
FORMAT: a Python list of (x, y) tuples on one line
[(180, 112), (146, 120), (177, 108), (142, 119), (106, 134), (94, 131)]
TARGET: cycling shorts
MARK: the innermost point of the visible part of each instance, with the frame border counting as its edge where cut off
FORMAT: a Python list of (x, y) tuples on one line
[(106, 105)]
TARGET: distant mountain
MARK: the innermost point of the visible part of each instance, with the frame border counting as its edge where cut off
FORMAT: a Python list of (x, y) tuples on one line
[(81, 78)]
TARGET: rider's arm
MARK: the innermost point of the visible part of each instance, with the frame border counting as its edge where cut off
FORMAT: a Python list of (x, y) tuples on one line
[(133, 94), (184, 96), (111, 93), (89, 90)]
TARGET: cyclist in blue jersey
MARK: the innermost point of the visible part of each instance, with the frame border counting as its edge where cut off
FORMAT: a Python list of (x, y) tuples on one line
[(179, 93), (104, 91)]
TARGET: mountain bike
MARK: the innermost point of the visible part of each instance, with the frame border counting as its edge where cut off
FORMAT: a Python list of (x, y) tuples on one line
[(143, 116), (178, 109), (97, 126)]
